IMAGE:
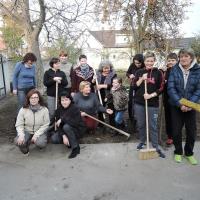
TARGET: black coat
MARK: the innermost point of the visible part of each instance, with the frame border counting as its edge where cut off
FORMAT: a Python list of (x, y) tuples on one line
[(51, 84), (71, 116)]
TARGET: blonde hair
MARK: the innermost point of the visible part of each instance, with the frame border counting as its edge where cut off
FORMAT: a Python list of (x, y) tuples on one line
[(83, 84)]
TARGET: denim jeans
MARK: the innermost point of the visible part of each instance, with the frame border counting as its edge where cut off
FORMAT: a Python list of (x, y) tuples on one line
[(51, 105), (153, 123), (21, 99), (119, 116)]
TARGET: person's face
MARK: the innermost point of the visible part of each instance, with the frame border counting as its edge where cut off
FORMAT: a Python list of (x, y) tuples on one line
[(34, 99), (56, 66), (63, 58), (149, 62), (106, 69), (171, 62), (65, 102), (86, 90), (185, 60), (30, 63), (137, 63), (83, 61), (115, 83)]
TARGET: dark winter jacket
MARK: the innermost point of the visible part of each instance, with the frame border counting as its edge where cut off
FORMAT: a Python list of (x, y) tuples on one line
[(120, 98), (71, 116), (176, 88), (155, 83), (51, 84), (89, 104)]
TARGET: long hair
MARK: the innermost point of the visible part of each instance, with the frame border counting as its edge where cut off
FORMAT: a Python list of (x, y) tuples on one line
[(30, 93)]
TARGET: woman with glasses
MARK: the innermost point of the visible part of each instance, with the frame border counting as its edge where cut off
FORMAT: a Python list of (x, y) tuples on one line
[(32, 122)]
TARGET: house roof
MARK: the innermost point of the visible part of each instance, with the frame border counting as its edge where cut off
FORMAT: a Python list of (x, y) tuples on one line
[(108, 39)]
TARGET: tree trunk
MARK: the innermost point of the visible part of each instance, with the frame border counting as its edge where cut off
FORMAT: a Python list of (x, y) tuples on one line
[(33, 46)]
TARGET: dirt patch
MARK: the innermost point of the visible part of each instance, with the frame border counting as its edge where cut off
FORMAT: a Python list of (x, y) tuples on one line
[(8, 107)]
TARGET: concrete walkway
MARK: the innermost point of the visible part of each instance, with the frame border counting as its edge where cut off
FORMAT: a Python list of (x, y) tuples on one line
[(100, 172)]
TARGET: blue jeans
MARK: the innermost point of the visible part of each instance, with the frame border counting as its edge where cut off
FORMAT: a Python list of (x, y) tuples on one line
[(153, 123), (119, 117), (21, 99)]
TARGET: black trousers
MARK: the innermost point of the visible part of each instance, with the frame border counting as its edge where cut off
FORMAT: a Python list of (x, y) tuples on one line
[(179, 119), (168, 119), (131, 103), (69, 131)]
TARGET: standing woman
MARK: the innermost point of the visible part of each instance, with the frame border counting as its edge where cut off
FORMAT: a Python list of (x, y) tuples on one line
[(138, 63), (184, 82), (51, 76), (105, 76), (24, 78), (81, 73), (32, 122), (155, 83)]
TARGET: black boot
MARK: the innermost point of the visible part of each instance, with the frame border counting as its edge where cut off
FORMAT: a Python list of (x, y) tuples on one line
[(74, 152)]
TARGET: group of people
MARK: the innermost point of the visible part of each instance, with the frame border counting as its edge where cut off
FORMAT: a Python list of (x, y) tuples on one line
[(77, 94)]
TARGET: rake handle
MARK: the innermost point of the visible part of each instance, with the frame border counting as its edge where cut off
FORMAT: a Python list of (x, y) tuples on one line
[(118, 130)]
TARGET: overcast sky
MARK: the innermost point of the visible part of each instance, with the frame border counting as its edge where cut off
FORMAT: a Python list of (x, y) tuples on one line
[(191, 26)]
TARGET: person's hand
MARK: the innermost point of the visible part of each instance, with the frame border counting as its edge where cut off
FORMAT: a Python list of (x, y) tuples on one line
[(15, 92), (20, 140), (72, 94), (131, 76), (185, 108), (58, 123), (100, 86), (57, 79), (109, 111), (65, 140), (34, 138), (144, 76), (83, 114), (106, 99), (147, 96)]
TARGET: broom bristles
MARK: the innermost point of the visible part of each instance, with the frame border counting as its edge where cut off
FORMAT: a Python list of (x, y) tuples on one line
[(146, 154)]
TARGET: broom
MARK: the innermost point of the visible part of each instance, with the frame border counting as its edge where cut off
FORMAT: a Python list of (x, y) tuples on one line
[(145, 154), (190, 104)]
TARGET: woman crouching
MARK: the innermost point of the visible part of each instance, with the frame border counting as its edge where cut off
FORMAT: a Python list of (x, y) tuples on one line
[(69, 123), (32, 122)]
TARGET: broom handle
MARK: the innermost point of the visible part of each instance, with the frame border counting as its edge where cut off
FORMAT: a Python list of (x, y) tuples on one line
[(98, 91), (56, 102), (112, 127), (146, 113)]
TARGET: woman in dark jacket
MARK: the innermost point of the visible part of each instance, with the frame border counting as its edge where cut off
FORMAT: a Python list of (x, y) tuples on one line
[(51, 76), (138, 63), (184, 82), (69, 123)]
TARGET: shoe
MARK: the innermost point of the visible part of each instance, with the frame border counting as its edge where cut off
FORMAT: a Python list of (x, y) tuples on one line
[(74, 152), (160, 153), (169, 141), (178, 158), (140, 146), (24, 150), (192, 160)]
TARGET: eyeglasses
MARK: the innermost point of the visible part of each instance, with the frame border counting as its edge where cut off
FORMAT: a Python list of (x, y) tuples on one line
[(34, 98)]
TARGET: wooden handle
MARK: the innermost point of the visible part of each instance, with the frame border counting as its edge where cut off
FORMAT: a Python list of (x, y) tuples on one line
[(56, 102), (146, 114), (108, 125)]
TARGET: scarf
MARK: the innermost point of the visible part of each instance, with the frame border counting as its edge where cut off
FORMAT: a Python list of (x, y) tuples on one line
[(35, 108)]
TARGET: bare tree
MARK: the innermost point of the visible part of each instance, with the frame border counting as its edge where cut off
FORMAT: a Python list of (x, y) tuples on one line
[(58, 19), (147, 20), (19, 11)]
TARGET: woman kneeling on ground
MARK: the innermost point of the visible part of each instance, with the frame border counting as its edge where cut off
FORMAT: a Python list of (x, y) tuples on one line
[(32, 122), (89, 104), (69, 123)]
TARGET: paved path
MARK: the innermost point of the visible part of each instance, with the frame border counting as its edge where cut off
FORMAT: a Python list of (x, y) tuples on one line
[(100, 172)]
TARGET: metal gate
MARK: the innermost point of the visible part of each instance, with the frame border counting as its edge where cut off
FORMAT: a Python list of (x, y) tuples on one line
[(2, 79)]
